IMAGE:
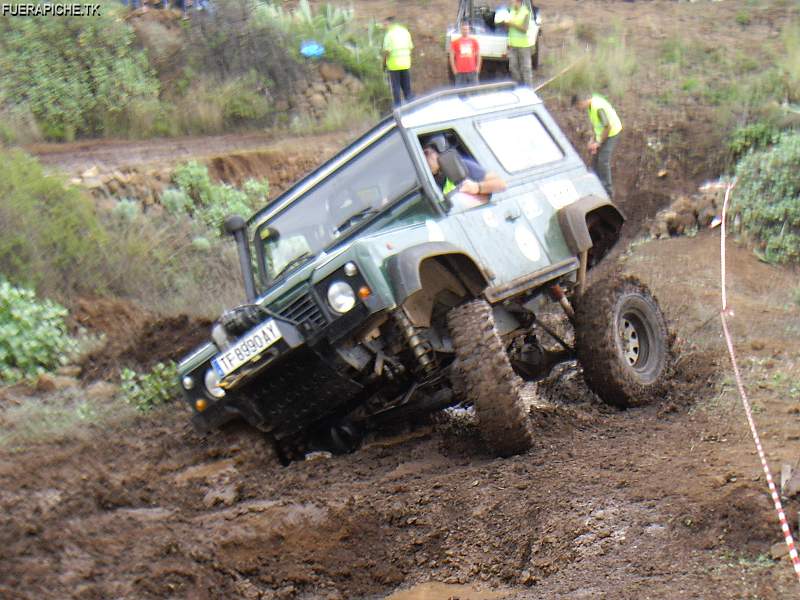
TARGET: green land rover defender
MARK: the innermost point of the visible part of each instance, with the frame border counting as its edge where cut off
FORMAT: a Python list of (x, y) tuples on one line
[(371, 295)]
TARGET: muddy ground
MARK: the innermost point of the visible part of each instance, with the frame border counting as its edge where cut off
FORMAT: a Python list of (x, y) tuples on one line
[(667, 501)]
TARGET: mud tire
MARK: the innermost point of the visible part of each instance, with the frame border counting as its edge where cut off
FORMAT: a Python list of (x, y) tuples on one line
[(491, 384), (623, 343)]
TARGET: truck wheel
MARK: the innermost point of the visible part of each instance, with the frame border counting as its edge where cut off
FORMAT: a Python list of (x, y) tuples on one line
[(491, 384), (623, 343)]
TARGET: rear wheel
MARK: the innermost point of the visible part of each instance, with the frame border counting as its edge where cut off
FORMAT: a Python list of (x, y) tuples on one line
[(623, 343), (490, 382)]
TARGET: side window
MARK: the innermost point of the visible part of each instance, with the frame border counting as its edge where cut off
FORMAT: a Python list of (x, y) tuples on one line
[(450, 163), (520, 143)]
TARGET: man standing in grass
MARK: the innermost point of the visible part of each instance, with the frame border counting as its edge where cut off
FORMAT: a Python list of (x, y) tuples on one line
[(519, 46), (607, 127), (465, 57), (397, 46)]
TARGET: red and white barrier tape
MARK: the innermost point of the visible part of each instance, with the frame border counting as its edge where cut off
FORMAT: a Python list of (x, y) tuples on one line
[(724, 314)]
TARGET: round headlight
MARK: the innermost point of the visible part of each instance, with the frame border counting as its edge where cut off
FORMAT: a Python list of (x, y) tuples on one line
[(350, 269), (341, 297), (212, 384)]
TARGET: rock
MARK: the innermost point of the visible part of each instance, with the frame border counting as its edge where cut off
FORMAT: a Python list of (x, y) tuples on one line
[(354, 84), (92, 182), (101, 391), (76, 181), (525, 578), (338, 90), (69, 370), (318, 101), (91, 172), (778, 550), (227, 496), (331, 72), (48, 382)]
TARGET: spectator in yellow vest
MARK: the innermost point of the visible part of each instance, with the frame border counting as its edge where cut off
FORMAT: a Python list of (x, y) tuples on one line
[(397, 46), (519, 44), (606, 126)]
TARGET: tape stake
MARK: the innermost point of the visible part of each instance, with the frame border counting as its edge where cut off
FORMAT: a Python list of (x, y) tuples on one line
[(725, 314)]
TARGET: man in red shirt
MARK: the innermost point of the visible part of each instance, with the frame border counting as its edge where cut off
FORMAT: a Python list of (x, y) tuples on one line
[(465, 57)]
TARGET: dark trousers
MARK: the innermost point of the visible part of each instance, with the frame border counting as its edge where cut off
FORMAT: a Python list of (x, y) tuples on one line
[(466, 78), (602, 163), (401, 82)]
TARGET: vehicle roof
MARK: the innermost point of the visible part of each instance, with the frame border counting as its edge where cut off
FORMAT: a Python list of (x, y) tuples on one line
[(458, 103), (438, 107)]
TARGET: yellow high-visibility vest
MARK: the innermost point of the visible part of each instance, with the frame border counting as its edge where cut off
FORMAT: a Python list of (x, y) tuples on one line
[(598, 103), (517, 38), (397, 42)]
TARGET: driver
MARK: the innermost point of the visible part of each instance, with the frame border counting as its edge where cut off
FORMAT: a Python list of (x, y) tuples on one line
[(479, 184)]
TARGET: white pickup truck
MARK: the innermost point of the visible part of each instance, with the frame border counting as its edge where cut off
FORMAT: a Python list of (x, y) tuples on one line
[(491, 34)]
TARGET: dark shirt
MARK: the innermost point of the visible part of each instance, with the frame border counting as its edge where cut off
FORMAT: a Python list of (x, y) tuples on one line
[(475, 172)]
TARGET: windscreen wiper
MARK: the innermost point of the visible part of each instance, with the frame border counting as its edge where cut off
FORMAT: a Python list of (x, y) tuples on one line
[(356, 217), (295, 262)]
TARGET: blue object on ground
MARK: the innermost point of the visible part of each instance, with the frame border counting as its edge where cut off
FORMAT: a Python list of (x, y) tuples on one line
[(312, 49)]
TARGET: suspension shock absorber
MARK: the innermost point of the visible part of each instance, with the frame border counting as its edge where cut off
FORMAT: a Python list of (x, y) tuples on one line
[(422, 351)]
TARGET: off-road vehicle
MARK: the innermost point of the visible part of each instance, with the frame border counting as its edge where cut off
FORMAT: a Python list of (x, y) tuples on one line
[(377, 296), (492, 35)]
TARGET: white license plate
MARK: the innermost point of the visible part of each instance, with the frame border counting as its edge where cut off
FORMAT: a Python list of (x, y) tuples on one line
[(249, 347)]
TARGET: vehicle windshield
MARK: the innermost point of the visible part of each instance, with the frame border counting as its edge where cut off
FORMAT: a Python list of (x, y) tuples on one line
[(350, 196)]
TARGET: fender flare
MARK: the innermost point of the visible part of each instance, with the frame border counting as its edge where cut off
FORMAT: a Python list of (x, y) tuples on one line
[(572, 219), (403, 269)]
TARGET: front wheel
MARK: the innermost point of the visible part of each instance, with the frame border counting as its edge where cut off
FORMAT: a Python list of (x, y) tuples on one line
[(489, 382), (623, 343)]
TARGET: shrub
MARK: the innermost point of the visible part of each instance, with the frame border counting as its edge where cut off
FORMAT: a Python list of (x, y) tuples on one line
[(147, 390), (767, 198), (211, 203), (33, 334), (754, 136), (50, 238), (73, 73)]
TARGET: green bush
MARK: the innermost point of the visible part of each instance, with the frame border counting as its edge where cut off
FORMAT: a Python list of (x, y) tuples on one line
[(147, 390), (767, 199), (74, 74), (50, 238), (33, 334), (753, 136), (211, 203)]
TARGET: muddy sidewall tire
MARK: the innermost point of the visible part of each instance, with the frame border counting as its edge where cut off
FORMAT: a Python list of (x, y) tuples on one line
[(489, 381), (623, 343)]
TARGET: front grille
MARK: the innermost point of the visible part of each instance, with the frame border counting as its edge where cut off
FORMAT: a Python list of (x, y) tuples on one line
[(303, 309)]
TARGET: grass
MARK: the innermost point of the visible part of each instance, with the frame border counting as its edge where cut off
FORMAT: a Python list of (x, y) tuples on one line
[(62, 415), (607, 67), (337, 117)]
